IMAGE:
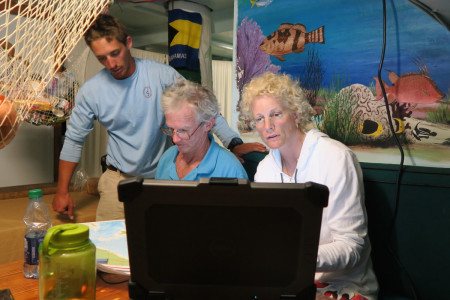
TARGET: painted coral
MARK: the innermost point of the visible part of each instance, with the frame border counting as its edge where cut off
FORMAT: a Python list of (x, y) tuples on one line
[(250, 60)]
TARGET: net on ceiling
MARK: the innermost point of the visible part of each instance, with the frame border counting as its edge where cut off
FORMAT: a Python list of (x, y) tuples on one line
[(36, 36)]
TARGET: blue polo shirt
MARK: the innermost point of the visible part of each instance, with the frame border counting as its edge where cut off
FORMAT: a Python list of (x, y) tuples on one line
[(218, 162)]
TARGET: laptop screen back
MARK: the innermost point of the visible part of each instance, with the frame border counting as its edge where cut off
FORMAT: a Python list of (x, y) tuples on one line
[(229, 239)]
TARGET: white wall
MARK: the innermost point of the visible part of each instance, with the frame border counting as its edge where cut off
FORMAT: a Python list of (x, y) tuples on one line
[(28, 159)]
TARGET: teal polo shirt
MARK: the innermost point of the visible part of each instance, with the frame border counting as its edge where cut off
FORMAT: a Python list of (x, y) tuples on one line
[(218, 162)]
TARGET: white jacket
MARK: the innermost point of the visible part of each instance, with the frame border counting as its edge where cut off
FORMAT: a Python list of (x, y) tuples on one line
[(344, 247)]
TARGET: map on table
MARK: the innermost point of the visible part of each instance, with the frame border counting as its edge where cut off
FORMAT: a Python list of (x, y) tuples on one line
[(110, 239)]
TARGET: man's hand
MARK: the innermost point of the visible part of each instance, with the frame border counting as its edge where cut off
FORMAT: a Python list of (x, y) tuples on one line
[(63, 204), (245, 148)]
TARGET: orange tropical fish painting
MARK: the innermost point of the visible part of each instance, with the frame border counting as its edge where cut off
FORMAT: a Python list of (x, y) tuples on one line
[(416, 88), (291, 38)]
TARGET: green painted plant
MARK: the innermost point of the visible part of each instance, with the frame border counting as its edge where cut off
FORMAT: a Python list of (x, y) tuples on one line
[(312, 76), (338, 119), (442, 113)]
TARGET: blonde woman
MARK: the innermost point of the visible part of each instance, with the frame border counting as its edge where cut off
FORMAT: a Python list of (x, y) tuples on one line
[(301, 153)]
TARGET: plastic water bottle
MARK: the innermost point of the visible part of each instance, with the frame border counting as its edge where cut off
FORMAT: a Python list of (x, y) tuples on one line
[(37, 221)]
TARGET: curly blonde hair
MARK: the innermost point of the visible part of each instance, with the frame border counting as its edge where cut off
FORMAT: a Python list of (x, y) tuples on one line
[(284, 90)]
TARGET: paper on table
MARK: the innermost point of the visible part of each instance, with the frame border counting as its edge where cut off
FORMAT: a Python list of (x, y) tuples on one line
[(110, 239)]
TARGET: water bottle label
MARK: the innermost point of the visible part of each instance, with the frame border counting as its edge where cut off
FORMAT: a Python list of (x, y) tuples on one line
[(32, 250)]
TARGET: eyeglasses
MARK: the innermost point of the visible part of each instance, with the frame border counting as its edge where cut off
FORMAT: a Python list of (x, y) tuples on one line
[(181, 133)]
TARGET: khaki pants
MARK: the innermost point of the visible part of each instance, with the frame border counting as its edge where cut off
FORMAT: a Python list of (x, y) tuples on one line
[(109, 206)]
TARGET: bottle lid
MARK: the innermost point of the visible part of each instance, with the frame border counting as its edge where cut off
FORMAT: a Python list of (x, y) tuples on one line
[(37, 193), (66, 236)]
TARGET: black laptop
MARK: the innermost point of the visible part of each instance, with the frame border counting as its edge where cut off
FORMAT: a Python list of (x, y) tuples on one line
[(222, 238)]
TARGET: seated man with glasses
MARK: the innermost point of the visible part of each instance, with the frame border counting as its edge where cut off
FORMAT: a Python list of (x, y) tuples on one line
[(190, 111)]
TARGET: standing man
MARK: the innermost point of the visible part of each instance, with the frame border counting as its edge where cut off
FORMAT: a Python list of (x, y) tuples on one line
[(125, 98)]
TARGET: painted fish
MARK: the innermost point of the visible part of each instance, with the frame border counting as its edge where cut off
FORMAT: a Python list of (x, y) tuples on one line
[(422, 133), (260, 3), (370, 127), (291, 38), (374, 128), (410, 88)]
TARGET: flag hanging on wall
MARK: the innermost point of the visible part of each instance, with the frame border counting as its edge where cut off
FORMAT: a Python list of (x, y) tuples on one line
[(185, 31)]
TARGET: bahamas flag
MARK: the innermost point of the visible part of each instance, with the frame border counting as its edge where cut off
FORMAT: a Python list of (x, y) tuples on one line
[(185, 31)]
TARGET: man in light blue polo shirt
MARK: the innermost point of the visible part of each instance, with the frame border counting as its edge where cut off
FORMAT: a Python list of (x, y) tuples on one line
[(190, 111)]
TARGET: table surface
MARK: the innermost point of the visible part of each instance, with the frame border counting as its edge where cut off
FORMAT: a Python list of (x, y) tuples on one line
[(11, 277)]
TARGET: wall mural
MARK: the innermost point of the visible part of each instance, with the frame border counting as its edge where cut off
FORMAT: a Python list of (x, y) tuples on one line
[(334, 48)]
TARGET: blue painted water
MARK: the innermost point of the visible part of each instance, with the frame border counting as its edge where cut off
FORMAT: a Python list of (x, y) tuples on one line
[(353, 38)]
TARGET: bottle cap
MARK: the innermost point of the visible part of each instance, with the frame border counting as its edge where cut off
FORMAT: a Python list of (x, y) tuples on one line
[(66, 236), (37, 193)]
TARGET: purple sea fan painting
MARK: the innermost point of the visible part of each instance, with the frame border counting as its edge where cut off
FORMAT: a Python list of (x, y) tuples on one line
[(250, 60)]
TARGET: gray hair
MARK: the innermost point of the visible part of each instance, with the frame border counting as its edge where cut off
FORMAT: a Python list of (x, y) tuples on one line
[(199, 97)]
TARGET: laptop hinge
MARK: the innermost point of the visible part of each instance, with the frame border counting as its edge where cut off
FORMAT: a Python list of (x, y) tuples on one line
[(156, 296), (307, 293), (223, 181), (137, 292)]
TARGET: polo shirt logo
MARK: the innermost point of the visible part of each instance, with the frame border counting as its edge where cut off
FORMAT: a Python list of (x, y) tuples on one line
[(147, 92)]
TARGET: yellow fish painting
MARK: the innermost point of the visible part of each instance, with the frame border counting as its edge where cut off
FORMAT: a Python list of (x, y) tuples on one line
[(260, 3), (374, 128), (371, 127), (291, 38)]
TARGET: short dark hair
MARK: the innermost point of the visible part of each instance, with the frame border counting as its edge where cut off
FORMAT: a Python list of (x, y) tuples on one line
[(108, 27)]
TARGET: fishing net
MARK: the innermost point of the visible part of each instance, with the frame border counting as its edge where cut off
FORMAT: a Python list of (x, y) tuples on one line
[(36, 37)]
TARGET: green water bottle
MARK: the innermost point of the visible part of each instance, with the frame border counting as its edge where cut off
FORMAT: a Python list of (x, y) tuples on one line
[(67, 266)]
